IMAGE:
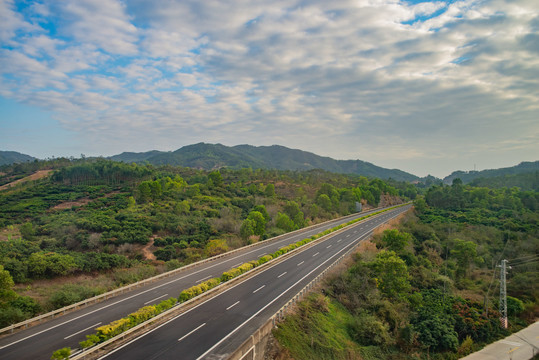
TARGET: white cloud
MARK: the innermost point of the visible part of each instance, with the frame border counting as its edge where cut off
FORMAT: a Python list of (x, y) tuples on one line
[(350, 79)]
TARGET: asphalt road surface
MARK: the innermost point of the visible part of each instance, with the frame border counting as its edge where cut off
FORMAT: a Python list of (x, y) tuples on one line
[(40, 341), (216, 327)]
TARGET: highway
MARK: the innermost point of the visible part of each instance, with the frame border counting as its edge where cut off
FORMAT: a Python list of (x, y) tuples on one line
[(39, 341), (217, 326)]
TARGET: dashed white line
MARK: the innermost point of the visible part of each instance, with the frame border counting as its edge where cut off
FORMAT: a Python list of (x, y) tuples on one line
[(316, 254), (207, 277), (237, 265), (340, 240), (327, 247), (260, 288), (189, 333), (261, 255), (282, 274), (300, 263), (231, 306), (83, 330), (147, 302)]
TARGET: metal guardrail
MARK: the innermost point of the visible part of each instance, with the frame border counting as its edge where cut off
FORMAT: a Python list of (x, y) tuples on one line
[(248, 346), (124, 289), (90, 353)]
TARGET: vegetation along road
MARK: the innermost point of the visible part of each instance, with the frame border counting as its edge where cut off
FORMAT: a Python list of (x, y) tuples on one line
[(38, 342), (219, 325)]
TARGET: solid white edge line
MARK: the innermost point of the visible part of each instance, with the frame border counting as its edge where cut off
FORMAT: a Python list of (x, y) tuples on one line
[(260, 288), (227, 290), (83, 330), (157, 298), (231, 306), (189, 333), (143, 292), (275, 299), (207, 277)]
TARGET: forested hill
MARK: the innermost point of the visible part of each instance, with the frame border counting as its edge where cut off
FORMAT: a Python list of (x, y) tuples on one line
[(469, 176), (11, 157), (214, 156)]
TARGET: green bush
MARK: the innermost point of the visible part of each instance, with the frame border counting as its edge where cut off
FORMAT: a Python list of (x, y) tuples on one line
[(61, 354)]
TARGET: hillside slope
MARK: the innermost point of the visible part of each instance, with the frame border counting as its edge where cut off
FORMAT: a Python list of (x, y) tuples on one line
[(469, 176), (11, 157), (214, 156)]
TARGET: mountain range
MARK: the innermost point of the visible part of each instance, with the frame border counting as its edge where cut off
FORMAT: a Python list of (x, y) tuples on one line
[(215, 156), (469, 176), (11, 157)]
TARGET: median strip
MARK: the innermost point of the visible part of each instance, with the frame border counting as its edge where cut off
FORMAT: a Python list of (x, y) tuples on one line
[(115, 328)]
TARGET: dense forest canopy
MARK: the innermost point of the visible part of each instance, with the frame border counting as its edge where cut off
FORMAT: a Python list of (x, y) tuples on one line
[(430, 288)]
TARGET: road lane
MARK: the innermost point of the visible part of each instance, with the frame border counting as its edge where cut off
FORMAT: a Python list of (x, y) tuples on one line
[(39, 341), (232, 316)]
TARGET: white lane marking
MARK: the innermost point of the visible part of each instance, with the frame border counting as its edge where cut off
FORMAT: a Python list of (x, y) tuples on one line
[(316, 254), (260, 288), (190, 332), (207, 277), (300, 263), (258, 312), (162, 296), (282, 274), (151, 289), (261, 255), (348, 235), (272, 301), (340, 240), (159, 286), (231, 306), (327, 247), (237, 265), (83, 330)]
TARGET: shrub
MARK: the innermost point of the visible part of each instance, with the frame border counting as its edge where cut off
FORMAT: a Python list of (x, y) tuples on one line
[(61, 354)]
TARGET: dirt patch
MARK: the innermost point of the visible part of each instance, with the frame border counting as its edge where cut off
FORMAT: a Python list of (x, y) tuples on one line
[(80, 202), (10, 232), (41, 290), (70, 204), (146, 252), (40, 174)]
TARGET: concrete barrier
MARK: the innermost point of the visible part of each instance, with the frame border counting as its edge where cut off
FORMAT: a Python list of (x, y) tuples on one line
[(90, 301)]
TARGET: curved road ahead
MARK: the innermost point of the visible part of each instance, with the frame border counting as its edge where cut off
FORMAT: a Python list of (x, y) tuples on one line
[(40, 341), (216, 327)]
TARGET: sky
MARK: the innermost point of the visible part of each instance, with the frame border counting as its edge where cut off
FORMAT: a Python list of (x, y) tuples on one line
[(427, 87)]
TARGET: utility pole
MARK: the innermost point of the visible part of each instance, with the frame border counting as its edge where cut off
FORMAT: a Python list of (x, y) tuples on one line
[(503, 293)]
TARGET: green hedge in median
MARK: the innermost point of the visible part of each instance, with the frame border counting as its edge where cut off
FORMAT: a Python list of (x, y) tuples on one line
[(108, 331)]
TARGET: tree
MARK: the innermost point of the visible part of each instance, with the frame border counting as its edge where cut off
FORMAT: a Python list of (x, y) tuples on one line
[(395, 240), (391, 274), (259, 222), (216, 178), (284, 222), (466, 253), (6, 281), (324, 202), (247, 229), (270, 190)]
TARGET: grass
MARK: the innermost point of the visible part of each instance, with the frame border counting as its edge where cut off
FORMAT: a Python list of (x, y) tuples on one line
[(318, 330)]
